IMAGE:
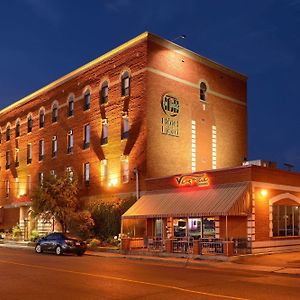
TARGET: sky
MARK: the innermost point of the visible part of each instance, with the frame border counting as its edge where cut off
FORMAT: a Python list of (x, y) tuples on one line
[(42, 40)]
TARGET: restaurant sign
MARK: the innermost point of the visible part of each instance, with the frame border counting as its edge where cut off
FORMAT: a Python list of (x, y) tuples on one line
[(192, 180), (170, 106)]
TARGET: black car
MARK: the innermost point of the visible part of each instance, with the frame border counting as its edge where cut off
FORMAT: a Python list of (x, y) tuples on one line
[(60, 243)]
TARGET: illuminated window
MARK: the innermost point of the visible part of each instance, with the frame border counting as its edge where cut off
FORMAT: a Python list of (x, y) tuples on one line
[(70, 141), (86, 173), (54, 146), (203, 90), (41, 149), (41, 178), (71, 106), (18, 128), (29, 124), (104, 93), (54, 112), (7, 187), (87, 136), (103, 170), (7, 132), (17, 158), (87, 100), (125, 169), (53, 173), (125, 84), (104, 134), (70, 173), (42, 118), (29, 153), (286, 220), (7, 156), (125, 126), (28, 187)]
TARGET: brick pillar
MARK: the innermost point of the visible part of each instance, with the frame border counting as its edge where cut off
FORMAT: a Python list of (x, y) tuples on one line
[(197, 249), (169, 246), (229, 248)]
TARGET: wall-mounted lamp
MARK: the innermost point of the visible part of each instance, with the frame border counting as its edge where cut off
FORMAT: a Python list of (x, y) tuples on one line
[(263, 192)]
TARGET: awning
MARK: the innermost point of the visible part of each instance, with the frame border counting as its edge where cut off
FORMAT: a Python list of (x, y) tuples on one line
[(219, 200)]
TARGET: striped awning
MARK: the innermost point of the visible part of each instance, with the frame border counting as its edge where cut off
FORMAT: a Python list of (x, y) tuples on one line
[(219, 200)]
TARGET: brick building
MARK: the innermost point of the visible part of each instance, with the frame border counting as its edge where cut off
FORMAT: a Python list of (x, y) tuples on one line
[(256, 208), (149, 108)]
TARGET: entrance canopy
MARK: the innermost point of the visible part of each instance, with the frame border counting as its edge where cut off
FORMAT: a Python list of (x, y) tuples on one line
[(220, 200)]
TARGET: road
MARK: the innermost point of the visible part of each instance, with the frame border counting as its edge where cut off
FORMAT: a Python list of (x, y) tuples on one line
[(26, 275)]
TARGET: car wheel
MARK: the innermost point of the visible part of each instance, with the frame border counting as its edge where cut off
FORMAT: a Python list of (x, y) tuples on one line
[(38, 248), (79, 253), (58, 250)]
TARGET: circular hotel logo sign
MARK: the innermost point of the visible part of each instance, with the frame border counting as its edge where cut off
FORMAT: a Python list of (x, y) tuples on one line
[(170, 105)]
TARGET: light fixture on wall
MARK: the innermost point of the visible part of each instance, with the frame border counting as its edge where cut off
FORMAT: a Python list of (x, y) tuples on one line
[(263, 192)]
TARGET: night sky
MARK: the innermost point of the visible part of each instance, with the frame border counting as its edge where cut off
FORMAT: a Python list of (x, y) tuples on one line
[(42, 40)]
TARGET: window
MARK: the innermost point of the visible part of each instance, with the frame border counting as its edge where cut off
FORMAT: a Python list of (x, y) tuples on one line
[(28, 187), (17, 186), (54, 113), (125, 84), (104, 93), (41, 149), (41, 178), (53, 173), (125, 127), (8, 133), (7, 155), (87, 100), (125, 169), (17, 158), (87, 136), (286, 220), (87, 174), (54, 146), (18, 128), (70, 141), (7, 187), (71, 106), (42, 118), (203, 89), (29, 124), (104, 135), (103, 170), (70, 173), (29, 153)]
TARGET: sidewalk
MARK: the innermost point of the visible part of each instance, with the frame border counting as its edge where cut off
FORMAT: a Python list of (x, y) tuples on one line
[(281, 263)]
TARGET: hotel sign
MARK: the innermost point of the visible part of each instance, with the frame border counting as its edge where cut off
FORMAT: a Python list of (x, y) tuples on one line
[(192, 180), (170, 106)]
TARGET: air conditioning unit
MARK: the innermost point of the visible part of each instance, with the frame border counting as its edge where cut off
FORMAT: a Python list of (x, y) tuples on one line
[(260, 163)]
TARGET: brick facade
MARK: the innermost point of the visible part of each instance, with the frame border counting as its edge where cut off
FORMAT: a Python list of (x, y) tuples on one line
[(156, 67)]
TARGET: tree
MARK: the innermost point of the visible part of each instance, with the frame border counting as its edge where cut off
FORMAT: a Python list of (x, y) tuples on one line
[(58, 198)]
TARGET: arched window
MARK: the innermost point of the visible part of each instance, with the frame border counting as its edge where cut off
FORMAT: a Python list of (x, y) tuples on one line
[(18, 128), (7, 132), (125, 84), (104, 92), (70, 106), (29, 123), (54, 112), (87, 100), (203, 90), (42, 118)]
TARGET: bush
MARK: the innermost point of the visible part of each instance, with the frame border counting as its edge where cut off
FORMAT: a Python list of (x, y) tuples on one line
[(16, 232), (34, 235), (94, 243)]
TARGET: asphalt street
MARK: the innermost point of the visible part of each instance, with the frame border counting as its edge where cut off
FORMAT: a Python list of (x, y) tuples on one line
[(26, 275)]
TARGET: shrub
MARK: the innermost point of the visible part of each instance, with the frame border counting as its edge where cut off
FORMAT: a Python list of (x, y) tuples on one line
[(16, 232), (34, 235), (94, 243)]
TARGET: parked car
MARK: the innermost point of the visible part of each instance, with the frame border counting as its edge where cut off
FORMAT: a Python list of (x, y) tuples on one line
[(60, 243)]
